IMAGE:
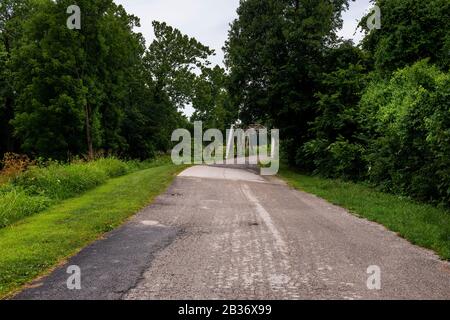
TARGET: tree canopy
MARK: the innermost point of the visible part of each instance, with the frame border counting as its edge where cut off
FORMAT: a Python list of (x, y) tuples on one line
[(376, 112), (100, 89), (276, 55), (411, 30)]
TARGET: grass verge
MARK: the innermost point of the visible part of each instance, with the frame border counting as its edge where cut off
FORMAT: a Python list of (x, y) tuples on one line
[(421, 224), (34, 245), (38, 188)]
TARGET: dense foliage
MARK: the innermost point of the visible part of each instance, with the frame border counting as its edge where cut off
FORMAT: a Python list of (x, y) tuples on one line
[(212, 101), (408, 121), (275, 54), (411, 30), (96, 90), (377, 112)]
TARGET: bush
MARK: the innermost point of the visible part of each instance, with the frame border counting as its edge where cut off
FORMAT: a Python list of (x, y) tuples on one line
[(339, 159), (62, 181), (409, 124)]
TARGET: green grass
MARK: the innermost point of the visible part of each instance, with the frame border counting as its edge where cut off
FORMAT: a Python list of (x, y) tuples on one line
[(15, 204), (63, 181), (421, 224), (40, 187), (34, 245)]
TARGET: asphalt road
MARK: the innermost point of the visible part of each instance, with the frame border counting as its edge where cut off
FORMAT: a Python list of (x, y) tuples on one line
[(222, 233)]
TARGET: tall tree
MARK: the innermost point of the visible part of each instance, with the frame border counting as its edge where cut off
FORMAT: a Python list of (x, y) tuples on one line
[(172, 60), (12, 13), (336, 146), (411, 30), (49, 115), (172, 63), (73, 83), (211, 100), (275, 54)]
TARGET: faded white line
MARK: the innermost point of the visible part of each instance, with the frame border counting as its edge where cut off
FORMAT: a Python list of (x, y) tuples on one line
[(284, 281), (265, 216)]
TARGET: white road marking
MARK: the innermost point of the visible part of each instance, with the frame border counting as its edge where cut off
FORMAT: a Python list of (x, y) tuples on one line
[(282, 281), (265, 216)]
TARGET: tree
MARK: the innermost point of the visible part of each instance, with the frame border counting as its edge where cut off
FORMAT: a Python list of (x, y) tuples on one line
[(170, 76), (5, 131), (12, 13), (73, 83), (143, 121), (411, 30), (336, 147), (48, 115), (171, 61), (211, 100), (275, 54), (96, 89)]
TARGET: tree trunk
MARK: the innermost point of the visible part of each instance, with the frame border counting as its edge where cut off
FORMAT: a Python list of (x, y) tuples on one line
[(9, 115), (7, 130), (87, 111)]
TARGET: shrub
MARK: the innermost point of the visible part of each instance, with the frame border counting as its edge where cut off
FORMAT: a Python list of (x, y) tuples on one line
[(62, 181), (339, 159), (409, 125)]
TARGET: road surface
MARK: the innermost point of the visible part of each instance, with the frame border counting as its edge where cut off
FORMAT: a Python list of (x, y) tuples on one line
[(224, 233)]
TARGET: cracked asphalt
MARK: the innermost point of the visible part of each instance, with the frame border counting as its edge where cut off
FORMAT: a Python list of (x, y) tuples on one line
[(227, 233)]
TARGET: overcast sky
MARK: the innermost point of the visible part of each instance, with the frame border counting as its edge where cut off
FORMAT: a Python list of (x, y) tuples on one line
[(208, 20)]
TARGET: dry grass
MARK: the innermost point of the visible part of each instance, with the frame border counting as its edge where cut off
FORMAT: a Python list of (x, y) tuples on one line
[(13, 165)]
